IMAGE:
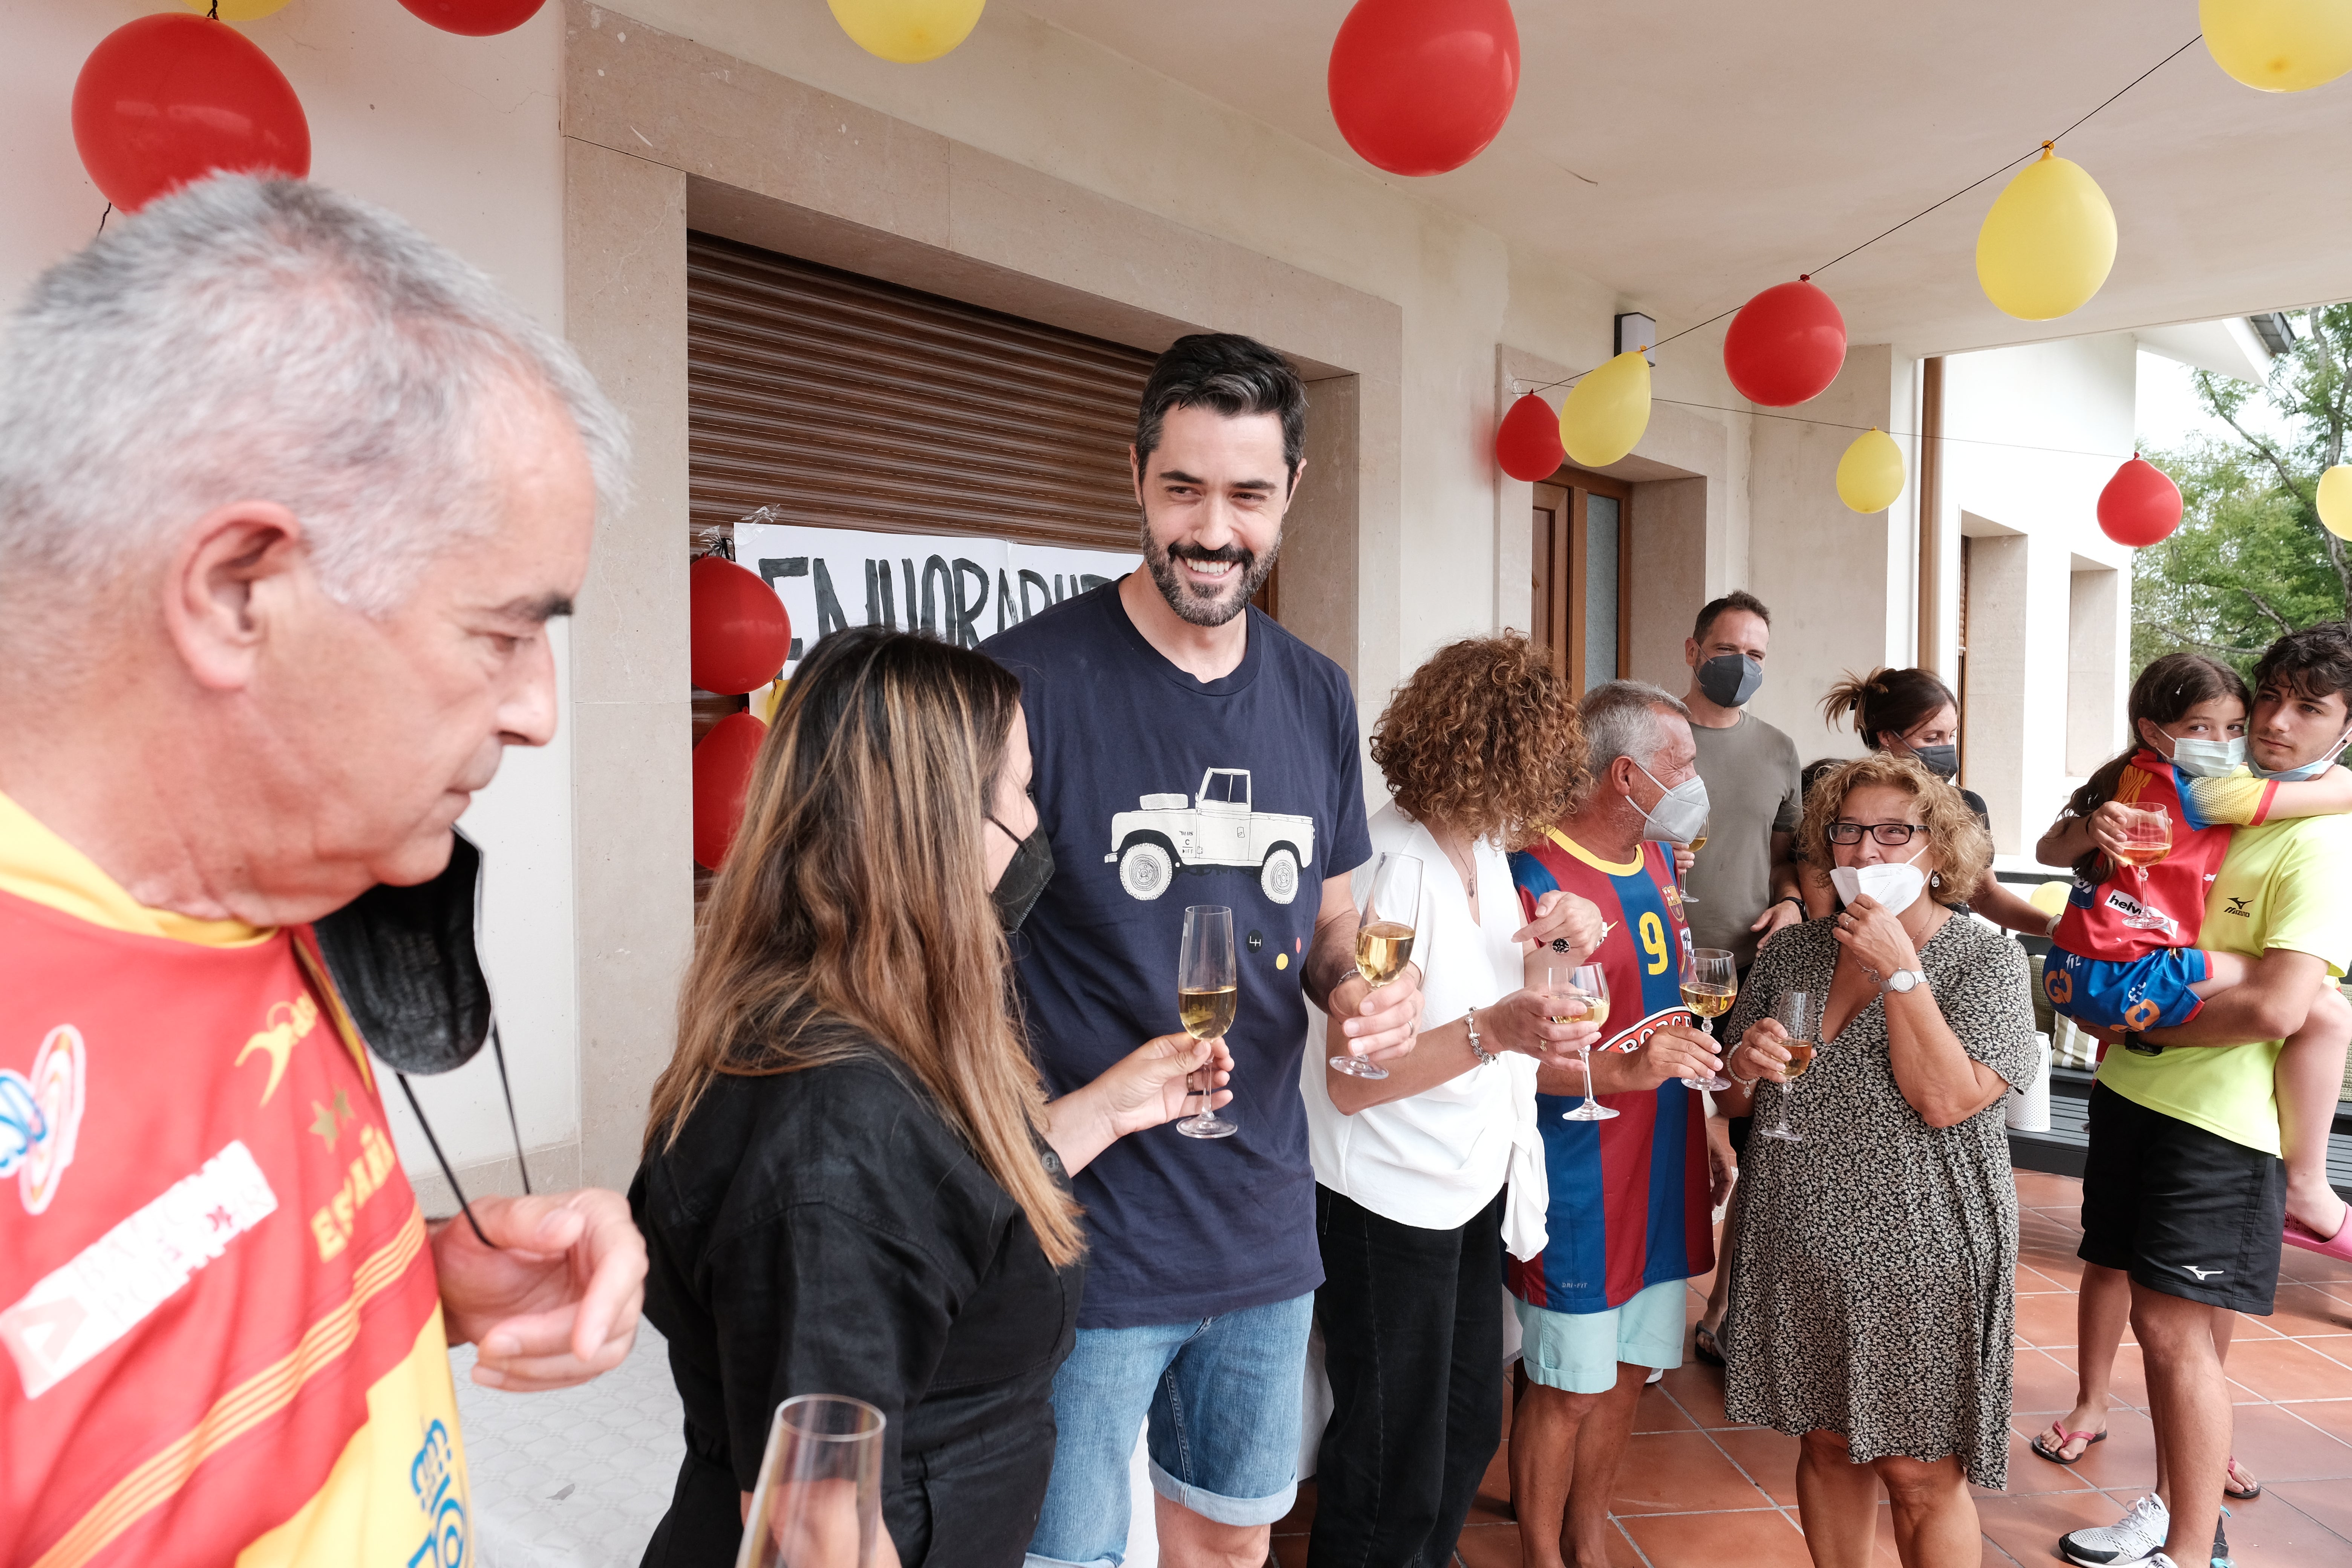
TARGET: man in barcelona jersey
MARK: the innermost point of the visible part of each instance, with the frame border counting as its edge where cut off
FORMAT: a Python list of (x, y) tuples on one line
[(288, 495), (1602, 1304)]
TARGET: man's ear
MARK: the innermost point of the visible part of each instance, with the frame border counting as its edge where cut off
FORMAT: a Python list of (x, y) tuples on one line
[(234, 568), (1297, 474), (1690, 652), (1135, 473)]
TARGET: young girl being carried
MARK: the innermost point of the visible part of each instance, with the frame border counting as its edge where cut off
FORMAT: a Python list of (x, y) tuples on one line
[(2124, 951)]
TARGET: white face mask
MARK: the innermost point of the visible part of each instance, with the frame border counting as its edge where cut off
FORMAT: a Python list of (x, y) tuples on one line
[(1895, 884), (2206, 759), (1680, 813), (2312, 769)]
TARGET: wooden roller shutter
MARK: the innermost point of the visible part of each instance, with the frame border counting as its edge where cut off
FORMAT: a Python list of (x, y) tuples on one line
[(838, 401)]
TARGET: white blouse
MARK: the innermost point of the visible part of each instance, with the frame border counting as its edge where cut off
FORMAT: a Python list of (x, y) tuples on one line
[(1436, 1159)]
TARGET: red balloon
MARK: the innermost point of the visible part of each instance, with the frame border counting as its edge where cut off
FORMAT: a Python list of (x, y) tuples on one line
[(1419, 87), (1786, 345), (1528, 445), (172, 98), (722, 772), (475, 18), (738, 634), (2140, 505)]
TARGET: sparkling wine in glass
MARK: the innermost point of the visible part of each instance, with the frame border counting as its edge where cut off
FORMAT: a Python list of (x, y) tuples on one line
[(1384, 936), (818, 1503), (1710, 980), (1581, 994), (1694, 846), (1798, 1013), (2148, 830), (1208, 994)]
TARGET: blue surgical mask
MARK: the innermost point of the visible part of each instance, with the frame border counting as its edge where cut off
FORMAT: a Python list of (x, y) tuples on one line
[(2312, 769), (2206, 759)]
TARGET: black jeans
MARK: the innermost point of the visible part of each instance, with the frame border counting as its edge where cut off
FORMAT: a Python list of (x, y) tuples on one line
[(1413, 1340)]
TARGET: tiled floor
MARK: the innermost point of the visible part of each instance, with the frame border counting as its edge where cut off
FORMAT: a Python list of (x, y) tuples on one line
[(1697, 1491)]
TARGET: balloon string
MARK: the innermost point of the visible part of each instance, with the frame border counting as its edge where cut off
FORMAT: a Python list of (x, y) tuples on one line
[(1914, 434), (104, 216), (1914, 217)]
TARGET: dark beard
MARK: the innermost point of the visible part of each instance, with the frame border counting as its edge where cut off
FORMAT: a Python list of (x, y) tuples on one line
[(1187, 603)]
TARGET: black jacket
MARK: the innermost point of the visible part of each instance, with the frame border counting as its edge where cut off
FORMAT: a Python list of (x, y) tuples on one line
[(826, 1232)]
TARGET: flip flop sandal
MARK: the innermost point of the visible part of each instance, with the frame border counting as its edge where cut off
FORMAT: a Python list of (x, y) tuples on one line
[(2057, 1456), (2230, 1486), (1707, 1347)]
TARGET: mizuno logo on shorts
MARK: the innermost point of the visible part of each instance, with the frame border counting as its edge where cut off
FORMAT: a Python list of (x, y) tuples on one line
[(2201, 1273)]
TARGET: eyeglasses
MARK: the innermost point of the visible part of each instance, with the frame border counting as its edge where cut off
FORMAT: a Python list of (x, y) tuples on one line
[(1892, 833)]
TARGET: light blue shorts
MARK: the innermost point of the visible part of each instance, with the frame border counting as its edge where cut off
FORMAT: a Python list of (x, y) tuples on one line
[(1220, 1397), (1578, 1352)]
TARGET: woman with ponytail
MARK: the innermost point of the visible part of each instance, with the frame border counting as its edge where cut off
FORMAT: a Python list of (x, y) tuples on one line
[(1912, 713)]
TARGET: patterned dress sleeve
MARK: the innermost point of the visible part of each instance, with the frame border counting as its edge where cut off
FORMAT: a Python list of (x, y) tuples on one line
[(1981, 983)]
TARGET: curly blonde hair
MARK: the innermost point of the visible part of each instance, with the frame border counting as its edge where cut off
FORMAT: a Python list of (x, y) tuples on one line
[(1963, 849), (1484, 739)]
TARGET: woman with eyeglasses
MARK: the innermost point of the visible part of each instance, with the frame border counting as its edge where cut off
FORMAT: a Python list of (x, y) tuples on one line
[(1878, 1249)]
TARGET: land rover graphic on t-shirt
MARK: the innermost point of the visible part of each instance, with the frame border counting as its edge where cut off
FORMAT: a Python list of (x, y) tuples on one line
[(1216, 828)]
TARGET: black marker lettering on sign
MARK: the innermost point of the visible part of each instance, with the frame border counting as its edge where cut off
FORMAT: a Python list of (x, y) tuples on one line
[(829, 618), (967, 610), (884, 613), (1044, 592)]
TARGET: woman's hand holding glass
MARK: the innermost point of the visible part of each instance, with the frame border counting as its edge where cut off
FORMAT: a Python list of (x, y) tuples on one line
[(1162, 1079), (1523, 1022), (1761, 1052), (1673, 1050)]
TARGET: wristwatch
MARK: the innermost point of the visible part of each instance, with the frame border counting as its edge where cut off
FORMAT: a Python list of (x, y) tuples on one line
[(1904, 980)]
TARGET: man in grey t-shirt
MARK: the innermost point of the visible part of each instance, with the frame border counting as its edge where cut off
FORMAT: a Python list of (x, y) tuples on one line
[(1743, 886)]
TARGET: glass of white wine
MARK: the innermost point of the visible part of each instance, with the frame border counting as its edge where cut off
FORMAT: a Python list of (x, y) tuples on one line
[(1581, 994), (818, 1501), (1208, 994), (1694, 846), (1710, 979), (1384, 937), (1799, 1014), (2149, 830)]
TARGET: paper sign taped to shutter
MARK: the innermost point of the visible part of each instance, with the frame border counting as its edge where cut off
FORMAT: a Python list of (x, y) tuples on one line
[(962, 588)]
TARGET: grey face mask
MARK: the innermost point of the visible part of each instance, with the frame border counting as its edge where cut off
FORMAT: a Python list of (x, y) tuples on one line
[(1730, 680), (405, 963), (1944, 761), (1024, 879)]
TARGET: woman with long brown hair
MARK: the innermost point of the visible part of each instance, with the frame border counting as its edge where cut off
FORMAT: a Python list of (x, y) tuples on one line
[(854, 1182)]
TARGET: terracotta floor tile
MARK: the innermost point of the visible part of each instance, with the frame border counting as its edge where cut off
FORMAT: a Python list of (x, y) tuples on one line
[(1658, 1413), (2312, 1309), (2126, 1460), (2333, 1417), (2312, 1267), (2288, 1369), (1768, 1458), (1680, 1473), (2045, 1385), (2127, 1379), (2047, 1320), (1699, 1391), (1764, 1537), (2033, 1282), (2037, 1188), (1290, 1551), (1493, 1505), (2327, 1504), (2028, 1527), (2277, 1444), (2067, 1214)]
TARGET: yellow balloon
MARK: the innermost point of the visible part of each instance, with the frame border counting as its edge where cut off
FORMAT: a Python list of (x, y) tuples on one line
[(237, 10), (2278, 45), (2335, 500), (2048, 242), (1606, 412), (1870, 475), (906, 31), (2050, 898)]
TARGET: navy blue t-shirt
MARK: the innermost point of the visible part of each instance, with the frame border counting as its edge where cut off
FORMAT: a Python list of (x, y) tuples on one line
[(1160, 791)]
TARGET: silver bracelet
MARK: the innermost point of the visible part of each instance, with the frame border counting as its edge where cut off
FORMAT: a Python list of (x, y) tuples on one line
[(1742, 1083), (1470, 1022)]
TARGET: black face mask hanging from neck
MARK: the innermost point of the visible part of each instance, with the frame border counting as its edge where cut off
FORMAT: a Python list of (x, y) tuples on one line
[(1025, 876), (405, 962)]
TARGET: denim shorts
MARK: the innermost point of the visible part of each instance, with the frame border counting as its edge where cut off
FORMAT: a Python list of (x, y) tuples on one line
[(1221, 1396)]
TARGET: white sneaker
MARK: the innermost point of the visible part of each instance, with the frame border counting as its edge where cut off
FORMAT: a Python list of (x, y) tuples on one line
[(2130, 1543), (1657, 1374)]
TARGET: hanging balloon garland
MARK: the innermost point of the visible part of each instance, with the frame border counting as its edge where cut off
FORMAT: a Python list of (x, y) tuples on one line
[(2279, 46), (907, 31), (1419, 87), (169, 98), (2334, 501), (2140, 505)]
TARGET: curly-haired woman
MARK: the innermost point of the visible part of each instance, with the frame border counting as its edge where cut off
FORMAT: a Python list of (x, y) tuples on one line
[(1878, 1256), (1482, 750)]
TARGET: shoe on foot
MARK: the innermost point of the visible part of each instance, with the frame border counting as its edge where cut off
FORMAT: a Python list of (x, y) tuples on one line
[(2127, 1543), (1657, 1374), (2222, 1558)]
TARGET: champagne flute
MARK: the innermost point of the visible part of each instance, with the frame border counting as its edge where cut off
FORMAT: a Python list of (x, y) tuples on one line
[(1384, 937), (2149, 833), (1694, 846), (1798, 1013), (818, 1503), (1710, 979), (1580, 993), (1208, 994)]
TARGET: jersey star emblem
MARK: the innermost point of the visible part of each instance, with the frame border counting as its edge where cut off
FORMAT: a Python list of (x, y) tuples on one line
[(324, 1124)]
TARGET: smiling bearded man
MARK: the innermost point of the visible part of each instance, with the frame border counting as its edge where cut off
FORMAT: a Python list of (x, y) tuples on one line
[(288, 494)]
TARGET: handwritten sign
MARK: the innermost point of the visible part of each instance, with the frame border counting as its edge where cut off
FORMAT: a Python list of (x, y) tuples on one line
[(959, 587)]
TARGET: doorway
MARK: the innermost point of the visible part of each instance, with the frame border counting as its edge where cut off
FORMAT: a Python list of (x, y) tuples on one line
[(1583, 524)]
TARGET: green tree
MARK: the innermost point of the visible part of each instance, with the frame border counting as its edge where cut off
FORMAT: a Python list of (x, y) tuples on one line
[(2250, 559)]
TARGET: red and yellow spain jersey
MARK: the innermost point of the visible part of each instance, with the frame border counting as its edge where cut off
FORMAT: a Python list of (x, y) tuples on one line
[(222, 1337), (2096, 921)]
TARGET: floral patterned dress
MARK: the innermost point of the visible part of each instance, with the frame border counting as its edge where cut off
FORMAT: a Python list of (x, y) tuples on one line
[(1872, 1293)]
